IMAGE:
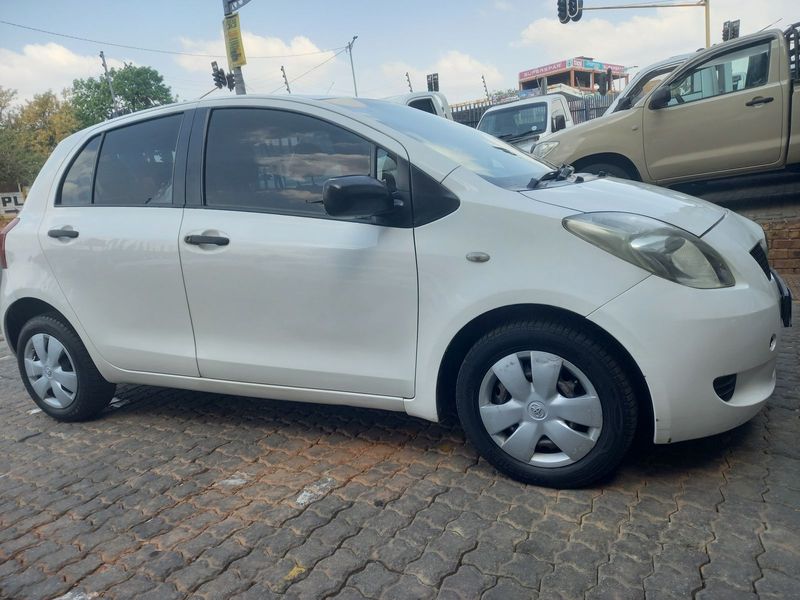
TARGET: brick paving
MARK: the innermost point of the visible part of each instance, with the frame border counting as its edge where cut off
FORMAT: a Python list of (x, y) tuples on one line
[(174, 494)]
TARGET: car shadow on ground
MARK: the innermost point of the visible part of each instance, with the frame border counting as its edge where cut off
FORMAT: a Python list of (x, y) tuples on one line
[(137, 406)]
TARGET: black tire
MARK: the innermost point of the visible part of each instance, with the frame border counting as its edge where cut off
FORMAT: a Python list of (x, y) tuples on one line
[(93, 392), (609, 169), (593, 358)]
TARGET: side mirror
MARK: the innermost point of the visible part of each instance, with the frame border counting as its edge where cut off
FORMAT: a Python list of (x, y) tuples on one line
[(660, 98), (559, 123), (356, 196), (624, 103)]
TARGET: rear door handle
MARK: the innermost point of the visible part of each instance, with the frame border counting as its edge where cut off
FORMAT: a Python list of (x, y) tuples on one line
[(212, 240), (759, 100), (62, 233)]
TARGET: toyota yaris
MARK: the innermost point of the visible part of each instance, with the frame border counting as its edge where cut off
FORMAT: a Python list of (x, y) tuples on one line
[(356, 252)]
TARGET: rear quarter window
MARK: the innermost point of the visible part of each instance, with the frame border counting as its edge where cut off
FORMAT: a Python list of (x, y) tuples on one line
[(76, 188)]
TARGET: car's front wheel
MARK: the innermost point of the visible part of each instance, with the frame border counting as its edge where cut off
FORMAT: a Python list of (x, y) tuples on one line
[(546, 403), (58, 372)]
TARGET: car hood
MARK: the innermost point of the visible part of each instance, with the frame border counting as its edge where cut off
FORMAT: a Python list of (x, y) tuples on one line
[(598, 194)]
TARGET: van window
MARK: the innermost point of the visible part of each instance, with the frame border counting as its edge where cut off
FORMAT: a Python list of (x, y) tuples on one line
[(76, 189), (423, 104), (277, 161), (741, 69), (136, 163)]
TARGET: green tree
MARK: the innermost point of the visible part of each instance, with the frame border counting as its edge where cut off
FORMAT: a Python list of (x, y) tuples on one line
[(136, 88)]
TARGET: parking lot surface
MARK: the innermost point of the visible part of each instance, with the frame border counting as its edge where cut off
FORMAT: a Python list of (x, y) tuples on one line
[(173, 494)]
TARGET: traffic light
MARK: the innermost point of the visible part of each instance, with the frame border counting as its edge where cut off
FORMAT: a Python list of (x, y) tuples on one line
[(433, 82), (218, 75), (575, 9), (726, 31), (570, 10), (562, 11), (734, 29), (230, 79)]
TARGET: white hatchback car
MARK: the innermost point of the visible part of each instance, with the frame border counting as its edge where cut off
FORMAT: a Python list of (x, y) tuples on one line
[(364, 253)]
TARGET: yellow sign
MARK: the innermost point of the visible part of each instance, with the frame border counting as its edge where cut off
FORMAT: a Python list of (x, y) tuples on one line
[(233, 41)]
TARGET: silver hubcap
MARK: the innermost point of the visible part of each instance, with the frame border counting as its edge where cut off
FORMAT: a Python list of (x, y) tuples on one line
[(540, 409), (50, 370)]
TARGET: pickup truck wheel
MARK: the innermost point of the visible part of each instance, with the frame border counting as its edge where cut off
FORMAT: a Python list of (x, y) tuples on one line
[(546, 404), (609, 169), (58, 372)]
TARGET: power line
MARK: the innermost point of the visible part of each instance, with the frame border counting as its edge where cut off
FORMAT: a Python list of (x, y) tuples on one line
[(311, 69), (160, 51)]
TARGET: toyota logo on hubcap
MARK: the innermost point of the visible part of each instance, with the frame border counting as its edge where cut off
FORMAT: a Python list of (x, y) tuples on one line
[(537, 410)]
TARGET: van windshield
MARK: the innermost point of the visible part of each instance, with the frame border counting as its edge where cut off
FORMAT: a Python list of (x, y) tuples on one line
[(484, 155), (515, 121)]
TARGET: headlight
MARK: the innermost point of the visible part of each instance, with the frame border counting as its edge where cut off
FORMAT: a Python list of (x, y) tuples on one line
[(544, 148), (655, 246)]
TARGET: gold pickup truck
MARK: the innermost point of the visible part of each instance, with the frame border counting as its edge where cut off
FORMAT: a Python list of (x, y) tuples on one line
[(730, 110)]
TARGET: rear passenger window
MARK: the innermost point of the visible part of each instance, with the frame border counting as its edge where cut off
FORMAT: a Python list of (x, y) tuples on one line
[(76, 190), (136, 163), (277, 161), (424, 104)]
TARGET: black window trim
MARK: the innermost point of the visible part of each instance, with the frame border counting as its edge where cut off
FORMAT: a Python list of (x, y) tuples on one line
[(383, 222), (178, 166)]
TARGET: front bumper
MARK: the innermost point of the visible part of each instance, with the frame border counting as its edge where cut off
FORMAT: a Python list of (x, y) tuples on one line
[(683, 339)]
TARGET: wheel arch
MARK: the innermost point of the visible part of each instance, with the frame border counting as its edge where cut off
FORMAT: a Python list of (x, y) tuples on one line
[(470, 333), (613, 158), (23, 310)]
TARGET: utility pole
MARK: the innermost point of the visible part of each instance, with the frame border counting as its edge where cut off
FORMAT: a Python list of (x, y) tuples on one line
[(237, 71), (408, 79), (485, 89), (352, 68), (110, 87), (285, 80)]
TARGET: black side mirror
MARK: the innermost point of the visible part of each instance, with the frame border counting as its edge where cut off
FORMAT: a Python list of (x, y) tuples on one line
[(356, 196), (559, 123), (624, 104), (660, 98)]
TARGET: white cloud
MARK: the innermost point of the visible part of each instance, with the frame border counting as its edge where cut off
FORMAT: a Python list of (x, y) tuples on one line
[(641, 39), (40, 67), (459, 76), (263, 75)]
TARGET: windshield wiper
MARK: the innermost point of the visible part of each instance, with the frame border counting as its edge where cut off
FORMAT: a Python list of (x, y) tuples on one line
[(562, 173)]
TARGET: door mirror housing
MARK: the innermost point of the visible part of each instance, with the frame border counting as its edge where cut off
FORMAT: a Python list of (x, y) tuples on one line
[(559, 123), (660, 98), (356, 196)]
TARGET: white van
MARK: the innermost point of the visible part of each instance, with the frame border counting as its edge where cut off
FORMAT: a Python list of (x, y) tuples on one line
[(524, 123), (434, 103)]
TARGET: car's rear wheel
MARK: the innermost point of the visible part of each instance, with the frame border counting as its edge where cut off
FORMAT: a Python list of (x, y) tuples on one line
[(546, 403), (58, 372)]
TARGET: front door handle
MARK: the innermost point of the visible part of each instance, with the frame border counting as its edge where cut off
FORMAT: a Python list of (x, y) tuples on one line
[(211, 240), (62, 233), (759, 100)]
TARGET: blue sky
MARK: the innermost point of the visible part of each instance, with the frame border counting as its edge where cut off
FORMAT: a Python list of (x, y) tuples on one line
[(460, 40)]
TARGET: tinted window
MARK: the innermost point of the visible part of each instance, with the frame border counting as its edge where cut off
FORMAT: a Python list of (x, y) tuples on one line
[(77, 186), (425, 105), (741, 69), (277, 161), (135, 166), (482, 154)]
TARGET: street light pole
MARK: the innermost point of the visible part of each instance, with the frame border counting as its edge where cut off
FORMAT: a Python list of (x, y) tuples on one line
[(110, 87), (352, 68), (237, 71)]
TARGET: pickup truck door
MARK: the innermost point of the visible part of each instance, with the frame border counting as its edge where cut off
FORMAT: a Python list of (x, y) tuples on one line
[(726, 115)]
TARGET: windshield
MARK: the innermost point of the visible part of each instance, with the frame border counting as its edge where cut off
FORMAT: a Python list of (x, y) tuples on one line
[(515, 121), (484, 155)]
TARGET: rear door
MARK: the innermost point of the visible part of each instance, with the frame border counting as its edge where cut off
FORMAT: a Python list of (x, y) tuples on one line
[(726, 115), (111, 239), (287, 295)]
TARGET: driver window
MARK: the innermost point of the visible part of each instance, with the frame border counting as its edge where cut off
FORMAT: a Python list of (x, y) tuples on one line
[(735, 71)]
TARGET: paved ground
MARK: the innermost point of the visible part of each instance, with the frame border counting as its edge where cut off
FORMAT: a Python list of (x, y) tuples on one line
[(172, 494)]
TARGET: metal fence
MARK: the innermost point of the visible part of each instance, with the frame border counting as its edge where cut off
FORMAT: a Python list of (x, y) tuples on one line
[(585, 109)]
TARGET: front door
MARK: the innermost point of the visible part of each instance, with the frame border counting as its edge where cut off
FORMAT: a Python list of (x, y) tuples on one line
[(279, 292), (726, 115)]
